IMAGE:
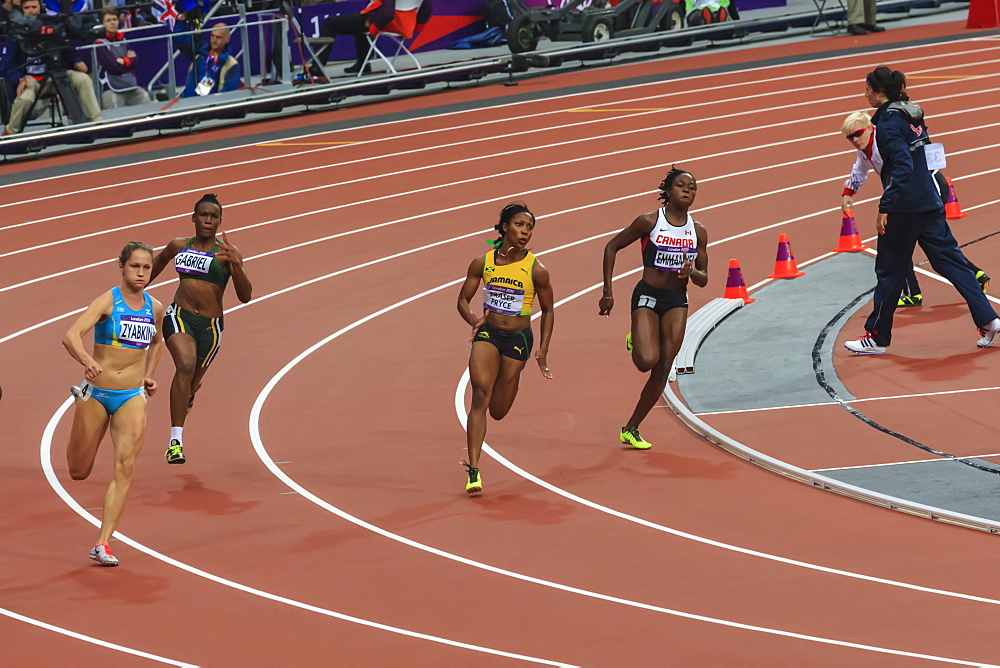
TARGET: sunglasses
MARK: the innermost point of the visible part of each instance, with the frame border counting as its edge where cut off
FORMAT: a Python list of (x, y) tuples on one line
[(857, 135)]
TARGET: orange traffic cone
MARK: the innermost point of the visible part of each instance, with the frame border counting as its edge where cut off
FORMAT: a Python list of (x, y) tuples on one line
[(850, 240), (951, 208), (784, 263), (735, 287)]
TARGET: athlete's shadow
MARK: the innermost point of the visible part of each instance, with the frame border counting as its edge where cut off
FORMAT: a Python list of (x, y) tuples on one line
[(195, 497), (119, 584), (672, 465), (953, 367)]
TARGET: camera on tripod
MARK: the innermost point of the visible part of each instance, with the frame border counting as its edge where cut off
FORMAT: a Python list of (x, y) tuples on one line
[(47, 40)]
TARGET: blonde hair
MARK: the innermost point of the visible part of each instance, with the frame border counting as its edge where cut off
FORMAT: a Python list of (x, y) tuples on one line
[(857, 120)]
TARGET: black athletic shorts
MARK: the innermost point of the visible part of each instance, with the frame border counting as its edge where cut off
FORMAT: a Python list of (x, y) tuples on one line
[(660, 301), (515, 345)]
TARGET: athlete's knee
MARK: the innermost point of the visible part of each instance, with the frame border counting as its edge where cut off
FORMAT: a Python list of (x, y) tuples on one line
[(185, 366), (499, 412), (79, 472), (644, 360), (480, 398)]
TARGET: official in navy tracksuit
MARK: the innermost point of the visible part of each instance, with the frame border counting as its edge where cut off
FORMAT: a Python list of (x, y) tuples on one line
[(911, 212)]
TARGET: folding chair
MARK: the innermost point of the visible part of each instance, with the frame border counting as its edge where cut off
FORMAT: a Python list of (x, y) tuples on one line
[(402, 27)]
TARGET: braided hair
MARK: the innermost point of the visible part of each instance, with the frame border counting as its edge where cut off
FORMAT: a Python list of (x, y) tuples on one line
[(211, 199), (889, 82), (130, 248), (669, 181), (506, 215)]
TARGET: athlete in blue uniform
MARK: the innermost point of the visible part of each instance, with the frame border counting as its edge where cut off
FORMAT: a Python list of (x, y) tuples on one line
[(194, 323), (117, 378), (674, 250)]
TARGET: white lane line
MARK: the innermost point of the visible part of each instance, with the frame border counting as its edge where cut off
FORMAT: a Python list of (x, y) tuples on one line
[(912, 461), (265, 457), (46, 462), (430, 150), (492, 156), (494, 199), (852, 401), (672, 83), (94, 641)]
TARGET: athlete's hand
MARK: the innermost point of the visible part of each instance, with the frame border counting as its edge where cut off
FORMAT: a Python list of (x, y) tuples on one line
[(475, 327), (846, 203), (227, 252), (686, 268), (880, 222), (606, 304), (91, 370), (542, 366), (150, 385)]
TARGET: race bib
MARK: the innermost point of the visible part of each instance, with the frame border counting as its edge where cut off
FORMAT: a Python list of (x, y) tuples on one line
[(191, 261), (136, 330), (934, 155), (671, 259), (503, 299)]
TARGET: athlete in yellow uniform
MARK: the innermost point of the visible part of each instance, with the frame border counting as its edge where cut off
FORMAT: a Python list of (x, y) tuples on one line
[(512, 278)]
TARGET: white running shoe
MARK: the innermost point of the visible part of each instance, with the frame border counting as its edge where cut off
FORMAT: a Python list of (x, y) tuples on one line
[(102, 554), (865, 346), (989, 333)]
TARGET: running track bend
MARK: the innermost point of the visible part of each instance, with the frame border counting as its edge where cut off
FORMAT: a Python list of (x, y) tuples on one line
[(320, 518)]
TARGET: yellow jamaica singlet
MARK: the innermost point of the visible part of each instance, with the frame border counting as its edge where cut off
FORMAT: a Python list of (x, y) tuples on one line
[(508, 289)]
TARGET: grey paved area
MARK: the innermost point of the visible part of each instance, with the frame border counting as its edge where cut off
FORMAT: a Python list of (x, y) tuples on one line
[(761, 357)]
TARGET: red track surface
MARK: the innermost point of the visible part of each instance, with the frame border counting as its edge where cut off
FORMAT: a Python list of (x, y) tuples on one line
[(325, 490)]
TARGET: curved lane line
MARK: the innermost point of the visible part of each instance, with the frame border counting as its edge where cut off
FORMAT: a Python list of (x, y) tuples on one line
[(46, 462), (94, 641), (258, 445)]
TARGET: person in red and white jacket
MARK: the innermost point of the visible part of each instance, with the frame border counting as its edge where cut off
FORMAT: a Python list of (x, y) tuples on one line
[(118, 63), (859, 130), (375, 17)]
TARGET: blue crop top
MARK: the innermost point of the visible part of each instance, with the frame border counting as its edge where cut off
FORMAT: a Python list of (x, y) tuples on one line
[(124, 327)]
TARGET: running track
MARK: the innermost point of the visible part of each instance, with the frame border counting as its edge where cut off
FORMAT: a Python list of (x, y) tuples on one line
[(321, 520)]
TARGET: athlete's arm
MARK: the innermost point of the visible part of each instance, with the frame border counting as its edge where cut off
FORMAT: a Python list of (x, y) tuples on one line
[(543, 292), (99, 309), (468, 292), (154, 351), (231, 254), (165, 256), (639, 228), (697, 272)]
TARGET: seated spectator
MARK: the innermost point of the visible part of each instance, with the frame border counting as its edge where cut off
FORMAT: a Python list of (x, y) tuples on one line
[(118, 63), (378, 13), (213, 68), (31, 76)]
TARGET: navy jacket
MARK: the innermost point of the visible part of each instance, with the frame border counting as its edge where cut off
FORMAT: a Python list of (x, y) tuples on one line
[(908, 186)]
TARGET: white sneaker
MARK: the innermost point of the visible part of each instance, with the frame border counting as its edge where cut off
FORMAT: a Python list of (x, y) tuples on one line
[(865, 346), (989, 333), (102, 554)]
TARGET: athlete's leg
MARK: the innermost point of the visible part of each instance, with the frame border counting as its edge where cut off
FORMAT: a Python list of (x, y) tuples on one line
[(90, 423), (645, 339), (128, 428), (670, 336), (199, 373), (184, 352), (484, 366), (505, 386)]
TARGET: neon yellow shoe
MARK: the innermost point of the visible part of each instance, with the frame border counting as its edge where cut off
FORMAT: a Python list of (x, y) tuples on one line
[(628, 342), (983, 279), (475, 484), (630, 436), (175, 453)]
